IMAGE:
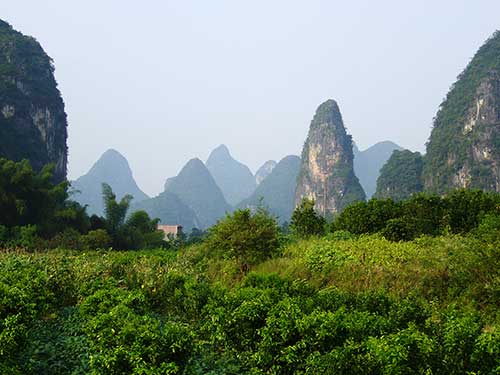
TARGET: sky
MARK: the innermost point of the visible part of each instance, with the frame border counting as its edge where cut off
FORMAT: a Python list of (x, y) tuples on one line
[(164, 81)]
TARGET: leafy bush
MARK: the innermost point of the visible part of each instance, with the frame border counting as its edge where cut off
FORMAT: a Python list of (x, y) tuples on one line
[(249, 238), (305, 221)]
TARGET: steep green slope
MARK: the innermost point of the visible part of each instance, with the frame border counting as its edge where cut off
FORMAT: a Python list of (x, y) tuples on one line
[(464, 147), (367, 164), (32, 118), (277, 191), (401, 176)]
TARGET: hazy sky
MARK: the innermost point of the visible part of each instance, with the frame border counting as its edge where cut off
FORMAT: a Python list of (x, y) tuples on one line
[(165, 81)]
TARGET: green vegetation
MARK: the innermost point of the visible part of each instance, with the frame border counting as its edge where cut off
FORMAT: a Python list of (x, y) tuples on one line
[(408, 287), (305, 220), (461, 211), (337, 304), (401, 176), (27, 85), (449, 147), (36, 215)]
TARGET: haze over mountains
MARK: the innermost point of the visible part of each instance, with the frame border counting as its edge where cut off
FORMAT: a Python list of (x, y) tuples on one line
[(113, 169), (234, 178)]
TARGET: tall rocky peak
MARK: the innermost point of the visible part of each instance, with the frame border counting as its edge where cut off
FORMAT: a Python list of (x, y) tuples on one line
[(277, 191), (264, 171), (464, 147), (367, 163), (401, 176), (234, 178), (197, 189), (32, 117), (113, 169), (327, 172)]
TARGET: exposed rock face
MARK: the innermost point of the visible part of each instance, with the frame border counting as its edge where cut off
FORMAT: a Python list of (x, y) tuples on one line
[(170, 210), (234, 178), (327, 172), (401, 176), (367, 164), (464, 147), (32, 117), (264, 171), (113, 169), (197, 189), (277, 191)]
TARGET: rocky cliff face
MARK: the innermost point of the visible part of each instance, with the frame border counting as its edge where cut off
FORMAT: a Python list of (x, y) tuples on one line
[(401, 176), (264, 171), (234, 178), (464, 147), (327, 173), (113, 169), (32, 117)]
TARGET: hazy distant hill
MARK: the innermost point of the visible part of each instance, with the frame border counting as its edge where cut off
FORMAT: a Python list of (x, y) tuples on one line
[(234, 178), (169, 209), (277, 190), (264, 171), (367, 164), (197, 189), (113, 169)]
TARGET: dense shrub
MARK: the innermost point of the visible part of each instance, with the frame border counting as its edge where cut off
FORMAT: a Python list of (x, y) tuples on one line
[(306, 221)]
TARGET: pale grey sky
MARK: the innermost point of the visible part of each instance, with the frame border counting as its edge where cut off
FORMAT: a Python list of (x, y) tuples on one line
[(165, 81)]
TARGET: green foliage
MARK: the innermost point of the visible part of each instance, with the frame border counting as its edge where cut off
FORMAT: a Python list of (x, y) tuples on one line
[(448, 149), (460, 211), (305, 221), (136, 232), (401, 176), (97, 239), (248, 237)]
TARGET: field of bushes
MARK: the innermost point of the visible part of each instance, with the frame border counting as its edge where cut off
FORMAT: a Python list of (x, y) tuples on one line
[(337, 304)]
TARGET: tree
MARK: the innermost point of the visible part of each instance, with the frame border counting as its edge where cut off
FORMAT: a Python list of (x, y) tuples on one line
[(136, 232), (248, 237), (305, 221)]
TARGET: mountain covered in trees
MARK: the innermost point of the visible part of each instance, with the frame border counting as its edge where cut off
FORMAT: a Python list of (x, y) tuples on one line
[(327, 171), (197, 189), (401, 176), (111, 168), (264, 171), (33, 122), (235, 179), (277, 191), (367, 163), (464, 147)]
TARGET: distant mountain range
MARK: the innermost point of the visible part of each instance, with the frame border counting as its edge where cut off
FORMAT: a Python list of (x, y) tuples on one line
[(198, 196), (113, 169)]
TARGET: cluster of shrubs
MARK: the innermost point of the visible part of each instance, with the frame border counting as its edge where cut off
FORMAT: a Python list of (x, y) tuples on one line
[(459, 212), (107, 315), (38, 214)]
